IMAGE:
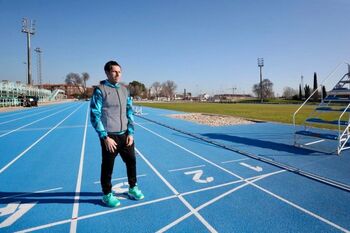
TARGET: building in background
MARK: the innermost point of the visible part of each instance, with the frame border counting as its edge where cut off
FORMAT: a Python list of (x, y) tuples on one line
[(71, 91)]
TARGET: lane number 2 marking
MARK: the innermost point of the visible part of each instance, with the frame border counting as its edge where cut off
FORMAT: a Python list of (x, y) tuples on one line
[(197, 174)]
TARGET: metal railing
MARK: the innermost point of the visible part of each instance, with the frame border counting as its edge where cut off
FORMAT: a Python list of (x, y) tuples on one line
[(316, 90), (343, 133), (10, 91)]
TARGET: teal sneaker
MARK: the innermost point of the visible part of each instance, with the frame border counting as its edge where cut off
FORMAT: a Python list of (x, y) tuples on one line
[(110, 200), (135, 193)]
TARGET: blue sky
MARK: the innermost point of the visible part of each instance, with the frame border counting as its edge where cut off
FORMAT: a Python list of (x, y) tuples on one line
[(202, 45)]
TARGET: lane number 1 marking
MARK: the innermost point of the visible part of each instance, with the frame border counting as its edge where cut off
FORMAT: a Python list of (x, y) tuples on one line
[(256, 168)]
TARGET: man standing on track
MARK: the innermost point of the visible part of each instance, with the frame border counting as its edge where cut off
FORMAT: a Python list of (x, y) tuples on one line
[(112, 117)]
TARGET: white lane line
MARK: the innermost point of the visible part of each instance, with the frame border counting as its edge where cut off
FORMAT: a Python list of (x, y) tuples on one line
[(191, 152), (127, 207), (36, 142), (25, 194), (230, 183), (14, 114), (121, 178), (97, 214), (47, 128), (301, 209), (177, 221), (188, 205), (185, 168), (26, 116), (235, 160), (33, 122), (29, 110), (247, 182), (73, 225), (123, 208), (268, 192)]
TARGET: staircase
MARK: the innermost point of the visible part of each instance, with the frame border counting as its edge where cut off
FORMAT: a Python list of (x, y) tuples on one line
[(333, 112), (55, 93)]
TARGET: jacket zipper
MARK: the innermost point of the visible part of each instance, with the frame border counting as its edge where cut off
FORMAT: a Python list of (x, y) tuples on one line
[(120, 107)]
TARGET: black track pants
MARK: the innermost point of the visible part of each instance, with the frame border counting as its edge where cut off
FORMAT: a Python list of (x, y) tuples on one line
[(128, 156)]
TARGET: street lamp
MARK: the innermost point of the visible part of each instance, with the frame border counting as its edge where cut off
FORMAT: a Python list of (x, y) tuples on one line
[(28, 27), (261, 64)]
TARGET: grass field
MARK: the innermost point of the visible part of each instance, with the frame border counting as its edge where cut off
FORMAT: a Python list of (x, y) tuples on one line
[(265, 112)]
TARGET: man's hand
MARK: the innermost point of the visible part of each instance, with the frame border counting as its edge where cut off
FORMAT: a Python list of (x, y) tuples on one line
[(110, 144), (129, 140)]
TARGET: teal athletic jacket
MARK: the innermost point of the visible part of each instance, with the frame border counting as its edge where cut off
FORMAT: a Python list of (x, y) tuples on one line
[(111, 110)]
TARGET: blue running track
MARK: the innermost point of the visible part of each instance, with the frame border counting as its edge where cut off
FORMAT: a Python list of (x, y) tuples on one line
[(246, 178)]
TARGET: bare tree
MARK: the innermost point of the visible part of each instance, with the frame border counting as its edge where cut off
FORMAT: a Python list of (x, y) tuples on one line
[(78, 81), (85, 77), (289, 92), (267, 89), (156, 87), (168, 88)]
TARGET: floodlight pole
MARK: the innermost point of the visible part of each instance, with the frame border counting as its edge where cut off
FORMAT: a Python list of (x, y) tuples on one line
[(28, 27), (261, 64), (39, 51)]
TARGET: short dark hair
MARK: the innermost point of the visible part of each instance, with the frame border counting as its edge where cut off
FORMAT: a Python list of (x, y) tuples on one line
[(108, 65)]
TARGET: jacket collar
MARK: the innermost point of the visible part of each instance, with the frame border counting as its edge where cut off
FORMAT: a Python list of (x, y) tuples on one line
[(107, 83)]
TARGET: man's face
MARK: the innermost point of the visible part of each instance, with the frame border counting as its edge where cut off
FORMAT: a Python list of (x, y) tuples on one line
[(114, 75)]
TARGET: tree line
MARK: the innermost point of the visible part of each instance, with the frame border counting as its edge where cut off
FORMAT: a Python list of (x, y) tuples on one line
[(305, 91), (167, 89), (137, 89)]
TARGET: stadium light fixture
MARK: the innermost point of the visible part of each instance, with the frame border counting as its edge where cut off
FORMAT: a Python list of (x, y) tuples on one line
[(261, 64), (28, 27)]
